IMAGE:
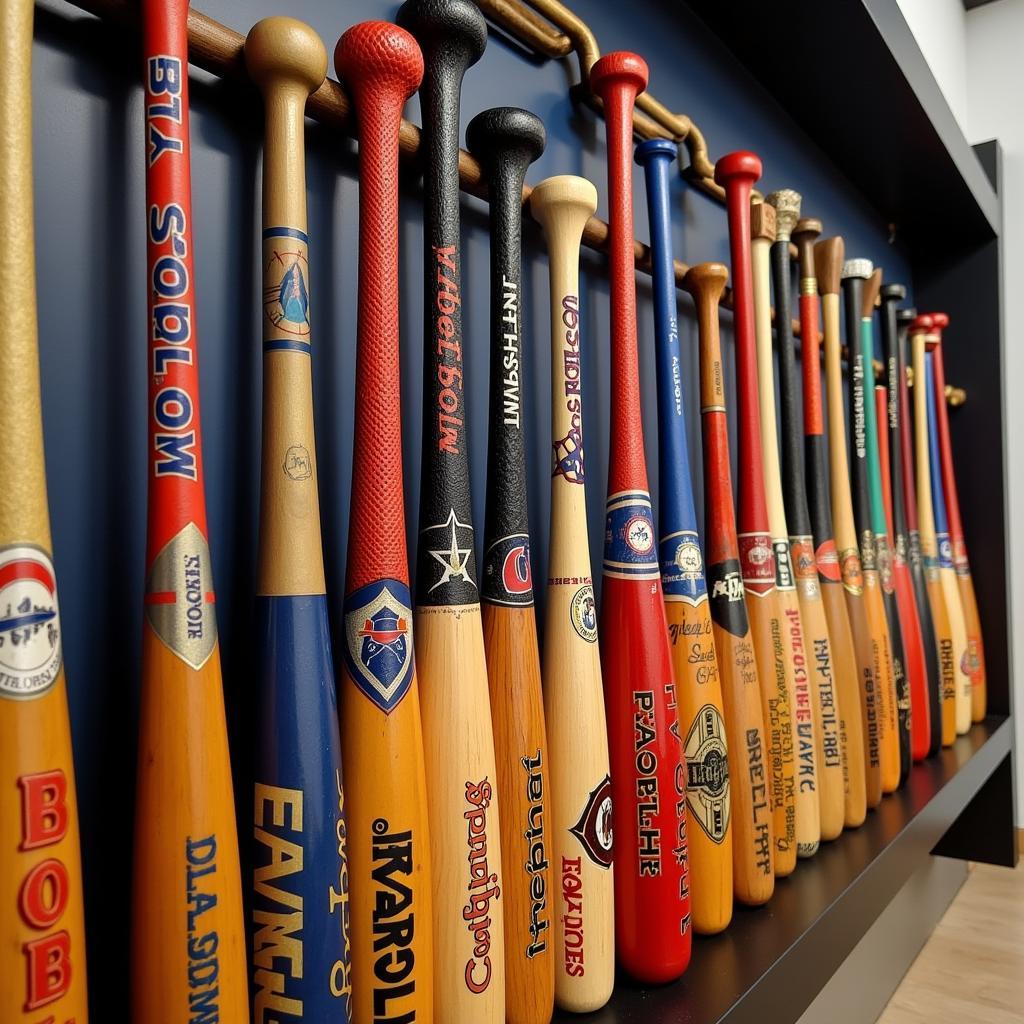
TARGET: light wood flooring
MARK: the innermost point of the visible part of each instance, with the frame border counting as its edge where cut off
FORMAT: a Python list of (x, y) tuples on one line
[(971, 971)]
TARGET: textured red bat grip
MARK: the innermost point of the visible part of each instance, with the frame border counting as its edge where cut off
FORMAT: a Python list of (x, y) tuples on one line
[(810, 342), (381, 66)]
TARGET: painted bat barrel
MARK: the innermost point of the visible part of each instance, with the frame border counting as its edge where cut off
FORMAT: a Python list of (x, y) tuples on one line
[(42, 932), (580, 797), (904, 318), (699, 689), (919, 660), (845, 672), (465, 826), (188, 942), (965, 582), (506, 141), (390, 905), (652, 896), (874, 670)]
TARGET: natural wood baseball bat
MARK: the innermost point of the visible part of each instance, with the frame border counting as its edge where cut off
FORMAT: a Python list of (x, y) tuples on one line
[(737, 665), (506, 141), (388, 831), (580, 799), (874, 670)]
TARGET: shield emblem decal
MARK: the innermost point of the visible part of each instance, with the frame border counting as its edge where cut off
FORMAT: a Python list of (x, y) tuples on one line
[(378, 641)]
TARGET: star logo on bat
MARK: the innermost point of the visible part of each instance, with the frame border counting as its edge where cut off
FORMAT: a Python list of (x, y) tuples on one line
[(453, 559)]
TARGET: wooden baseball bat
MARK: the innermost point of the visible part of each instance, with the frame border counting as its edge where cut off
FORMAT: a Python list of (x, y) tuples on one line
[(945, 640), (831, 737), (652, 894), (873, 669), (822, 554), (786, 679), (890, 427), (388, 834), (42, 970), (188, 944), (904, 318), (883, 547), (692, 638), (961, 564), (947, 574), (506, 141), (580, 800), (300, 896), (465, 827), (737, 664)]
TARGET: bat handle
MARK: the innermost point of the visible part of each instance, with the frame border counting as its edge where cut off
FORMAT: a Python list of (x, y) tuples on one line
[(807, 230), (706, 282)]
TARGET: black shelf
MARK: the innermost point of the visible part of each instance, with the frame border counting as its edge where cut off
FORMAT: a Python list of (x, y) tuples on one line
[(781, 955)]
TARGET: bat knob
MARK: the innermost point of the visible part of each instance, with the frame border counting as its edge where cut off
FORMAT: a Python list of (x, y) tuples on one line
[(505, 138), (283, 50), (808, 228), (893, 293), (454, 31), (905, 317), (858, 268), (787, 212), (763, 222), (381, 57), (828, 262), (706, 281), (620, 69), (564, 199), (652, 150), (940, 321), (921, 324), (741, 166)]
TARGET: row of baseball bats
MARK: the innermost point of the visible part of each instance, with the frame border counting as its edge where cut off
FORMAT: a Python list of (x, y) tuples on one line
[(736, 702)]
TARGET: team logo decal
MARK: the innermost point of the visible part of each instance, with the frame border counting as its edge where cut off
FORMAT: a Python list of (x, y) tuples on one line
[(285, 296), (682, 567), (629, 536), (454, 558), (583, 613), (851, 570), (884, 559), (758, 562), (567, 458), (707, 773), (378, 641), (783, 565), (945, 551), (639, 535), (594, 828), (30, 641), (179, 597), (507, 575), (868, 551), (828, 561), (298, 464), (725, 590)]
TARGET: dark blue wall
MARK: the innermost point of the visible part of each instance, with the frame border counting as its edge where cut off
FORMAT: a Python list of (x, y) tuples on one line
[(90, 245)]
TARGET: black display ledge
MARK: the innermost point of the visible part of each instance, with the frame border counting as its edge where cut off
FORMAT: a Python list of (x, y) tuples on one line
[(771, 962)]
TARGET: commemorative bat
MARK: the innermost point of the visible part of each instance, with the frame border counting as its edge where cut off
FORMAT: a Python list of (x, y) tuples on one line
[(890, 426), (579, 800), (949, 650), (188, 946), (737, 664), (845, 672), (652, 896), (961, 565), (872, 668), (784, 671), (42, 932), (300, 898), (947, 574), (465, 827), (883, 547), (390, 905), (904, 318), (506, 141), (699, 689), (854, 274)]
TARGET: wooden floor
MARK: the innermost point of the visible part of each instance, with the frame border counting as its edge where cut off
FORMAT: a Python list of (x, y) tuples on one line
[(971, 971)]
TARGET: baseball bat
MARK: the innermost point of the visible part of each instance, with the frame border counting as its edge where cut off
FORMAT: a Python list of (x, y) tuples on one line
[(822, 554), (854, 274), (890, 427), (652, 896), (831, 742), (947, 574), (883, 547), (737, 664), (188, 944), (506, 141), (791, 725), (300, 898), (580, 796), (465, 827), (961, 564), (701, 719), (872, 668), (945, 640), (42, 932), (388, 834), (904, 318)]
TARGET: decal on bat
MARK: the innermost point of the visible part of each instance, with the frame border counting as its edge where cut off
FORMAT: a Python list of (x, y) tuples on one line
[(725, 589), (583, 613), (30, 637), (757, 561), (828, 561), (851, 570), (378, 641), (594, 827), (455, 554), (285, 291), (629, 545), (507, 575), (707, 773), (682, 568)]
